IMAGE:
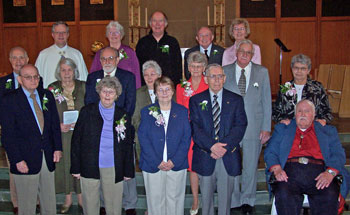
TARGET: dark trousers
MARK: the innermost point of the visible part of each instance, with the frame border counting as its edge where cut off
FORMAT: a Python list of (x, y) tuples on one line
[(301, 180)]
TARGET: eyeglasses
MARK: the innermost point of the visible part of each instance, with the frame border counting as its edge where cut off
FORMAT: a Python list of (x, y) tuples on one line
[(244, 52), (29, 78), (108, 92), (214, 77), (114, 33), (197, 67), (164, 90), (150, 75), (60, 32), (18, 58), (303, 69), (239, 29), (109, 59)]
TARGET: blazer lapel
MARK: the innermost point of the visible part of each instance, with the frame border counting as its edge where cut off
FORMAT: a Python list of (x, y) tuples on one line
[(287, 141), (27, 110), (13, 85), (234, 80), (322, 140), (252, 80)]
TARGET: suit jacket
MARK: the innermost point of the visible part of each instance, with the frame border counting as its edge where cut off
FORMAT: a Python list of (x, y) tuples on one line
[(213, 58), (152, 139), (86, 144), (21, 135), (257, 101), (280, 144), (3, 81), (126, 100), (233, 123)]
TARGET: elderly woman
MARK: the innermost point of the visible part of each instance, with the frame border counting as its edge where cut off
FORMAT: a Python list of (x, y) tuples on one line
[(145, 95), (196, 84), (301, 87), (128, 59), (102, 150), (239, 30), (165, 135), (69, 95)]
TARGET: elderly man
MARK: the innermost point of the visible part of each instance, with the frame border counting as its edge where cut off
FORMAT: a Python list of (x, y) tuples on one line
[(160, 47), (218, 123), (48, 58), (205, 40), (252, 82), (109, 60), (32, 139), (304, 157)]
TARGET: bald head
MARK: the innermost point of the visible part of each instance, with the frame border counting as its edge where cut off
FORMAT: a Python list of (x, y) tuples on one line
[(18, 58), (204, 37)]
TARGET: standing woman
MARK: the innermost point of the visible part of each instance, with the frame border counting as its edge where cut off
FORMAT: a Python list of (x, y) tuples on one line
[(165, 135), (196, 84), (239, 30), (69, 95), (127, 56), (102, 150)]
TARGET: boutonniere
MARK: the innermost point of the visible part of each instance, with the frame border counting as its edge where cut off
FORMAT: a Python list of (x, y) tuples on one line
[(256, 85), (165, 49), (98, 80), (187, 85), (288, 89), (8, 84), (155, 112), (123, 54), (57, 93), (203, 105), (45, 101), (120, 128), (215, 52)]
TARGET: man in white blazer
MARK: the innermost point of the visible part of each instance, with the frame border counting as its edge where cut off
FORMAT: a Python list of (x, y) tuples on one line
[(251, 81)]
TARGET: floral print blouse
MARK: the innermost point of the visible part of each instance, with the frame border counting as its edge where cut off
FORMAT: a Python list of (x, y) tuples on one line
[(313, 91)]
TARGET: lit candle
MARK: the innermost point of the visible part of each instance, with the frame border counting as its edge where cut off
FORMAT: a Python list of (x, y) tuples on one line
[(132, 15), (208, 10), (139, 15), (214, 14), (146, 17)]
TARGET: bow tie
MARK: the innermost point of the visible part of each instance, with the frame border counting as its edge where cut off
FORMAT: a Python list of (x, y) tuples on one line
[(61, 52)]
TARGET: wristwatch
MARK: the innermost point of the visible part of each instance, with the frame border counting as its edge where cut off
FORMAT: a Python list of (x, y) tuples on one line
[(331, 172)]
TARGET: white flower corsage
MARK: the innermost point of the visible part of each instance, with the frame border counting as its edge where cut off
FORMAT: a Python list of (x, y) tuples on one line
[(215, 52), (187, 85), (123, 54), (203, 105), (256, 84), (8, 84), (155, 112), (57, 94), (120, 128), (45, 101), (165, 49)]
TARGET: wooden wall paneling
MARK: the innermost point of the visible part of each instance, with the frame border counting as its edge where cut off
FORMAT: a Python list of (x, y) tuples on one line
[(267, 48), (19, 36), (317, 32), (335, 42), (344, 109), (89, 34), (276, 69), (300, 38)]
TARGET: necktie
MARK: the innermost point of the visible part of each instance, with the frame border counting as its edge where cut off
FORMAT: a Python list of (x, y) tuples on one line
[(242, 83), (216, 115), (206, 54), (38, 112)]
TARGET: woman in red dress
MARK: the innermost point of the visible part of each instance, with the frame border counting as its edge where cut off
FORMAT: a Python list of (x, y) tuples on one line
[(196, 84)]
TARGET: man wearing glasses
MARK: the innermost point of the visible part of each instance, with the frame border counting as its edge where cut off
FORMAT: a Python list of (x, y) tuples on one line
[(48, 58), (218, 122), (251, 81), (32, 139)]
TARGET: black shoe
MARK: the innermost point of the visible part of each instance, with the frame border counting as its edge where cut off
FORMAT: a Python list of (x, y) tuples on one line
[(102, 211), (247, 209), (130, 212), (236, 208)]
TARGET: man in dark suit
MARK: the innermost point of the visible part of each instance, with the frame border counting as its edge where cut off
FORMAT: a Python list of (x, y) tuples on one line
[(205, 40), (305, 157), (218, 123), (32, 139), (109, 60)]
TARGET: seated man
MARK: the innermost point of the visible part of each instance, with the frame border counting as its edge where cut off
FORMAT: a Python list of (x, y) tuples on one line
[(304, 158)]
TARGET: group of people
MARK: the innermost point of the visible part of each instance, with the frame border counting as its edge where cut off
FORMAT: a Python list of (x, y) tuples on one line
[(212, 124)]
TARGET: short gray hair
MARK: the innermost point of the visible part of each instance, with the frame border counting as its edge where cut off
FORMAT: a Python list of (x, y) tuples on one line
[(68, 62), (197, 57), (151, 64), (245, 41), (308, 102), (59, 23), (109, 82), (118, 26), (113, 49), (301, 58), (18, 48), (211, 66), (238, 21)]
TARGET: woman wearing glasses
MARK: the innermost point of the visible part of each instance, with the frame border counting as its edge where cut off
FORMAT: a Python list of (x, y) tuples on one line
[(239, 30), (164, 135), (301, 87)]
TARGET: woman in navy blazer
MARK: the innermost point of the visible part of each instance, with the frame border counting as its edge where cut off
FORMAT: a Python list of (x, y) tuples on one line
[(165, 135)]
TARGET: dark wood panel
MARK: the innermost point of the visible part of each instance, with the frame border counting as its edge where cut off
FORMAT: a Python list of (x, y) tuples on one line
[(103, 11), (298, 8), (335, 8), (335, 42), (19, 14), (53, 13), (250, 9)]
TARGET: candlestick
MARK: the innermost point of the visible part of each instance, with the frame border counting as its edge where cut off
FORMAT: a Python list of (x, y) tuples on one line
[(132, 15), (139, 15), (214, 14), (146, 17), (221, 13)]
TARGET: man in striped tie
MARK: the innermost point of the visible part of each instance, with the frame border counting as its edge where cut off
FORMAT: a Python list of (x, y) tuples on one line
[(218, 122)]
